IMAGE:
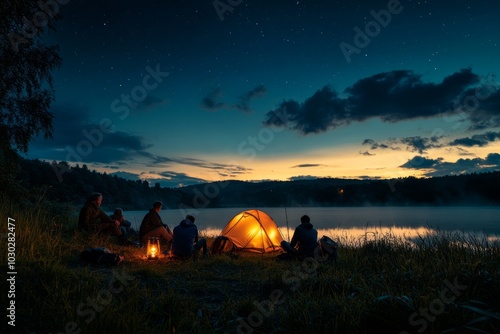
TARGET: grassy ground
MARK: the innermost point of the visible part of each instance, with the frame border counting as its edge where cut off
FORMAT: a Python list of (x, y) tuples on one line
[(445, 283)]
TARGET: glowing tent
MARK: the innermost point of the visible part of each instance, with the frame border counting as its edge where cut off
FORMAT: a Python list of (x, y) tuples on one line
[(253, 231)]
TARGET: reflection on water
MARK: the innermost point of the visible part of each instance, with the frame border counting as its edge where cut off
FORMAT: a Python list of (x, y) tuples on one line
[(354, 237), (350, 233), (419, 235)]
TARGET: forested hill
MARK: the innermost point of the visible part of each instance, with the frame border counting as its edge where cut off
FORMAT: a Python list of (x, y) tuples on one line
[(77, 183)]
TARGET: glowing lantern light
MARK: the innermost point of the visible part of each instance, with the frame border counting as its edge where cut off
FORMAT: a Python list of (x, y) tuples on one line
[(153, 249)]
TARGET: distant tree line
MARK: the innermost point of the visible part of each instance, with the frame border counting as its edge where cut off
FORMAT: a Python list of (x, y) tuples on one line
[(468, 189), (79, 182), (38, 177)]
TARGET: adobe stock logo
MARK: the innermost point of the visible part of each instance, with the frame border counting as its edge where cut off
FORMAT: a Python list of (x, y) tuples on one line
[(372, 29), (437, 306), (33, 27), (228, 6)]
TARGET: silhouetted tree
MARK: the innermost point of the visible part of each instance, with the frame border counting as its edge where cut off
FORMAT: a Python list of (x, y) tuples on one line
[(26, 90), (26, 87)]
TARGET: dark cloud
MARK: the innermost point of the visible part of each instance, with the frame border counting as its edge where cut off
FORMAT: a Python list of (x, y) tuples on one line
[(150, 102), (493, 159), (211, 101), (463, 152), (229, 170), (477, 140), (307, 165), (157, 160), (325, 109), (244, 100), (420, 144), (419, 162), (438, 167), (481, 105), (413, 144), (482, 120), (284, 116), (232, 171), (79, 139), (366, 153), (392, 97), (402, 95), (374, 145)]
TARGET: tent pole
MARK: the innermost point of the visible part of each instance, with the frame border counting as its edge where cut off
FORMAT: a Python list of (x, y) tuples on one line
[(286, 218)]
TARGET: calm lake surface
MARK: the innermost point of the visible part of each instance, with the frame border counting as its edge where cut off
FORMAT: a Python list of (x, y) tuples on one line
[(350, 222)]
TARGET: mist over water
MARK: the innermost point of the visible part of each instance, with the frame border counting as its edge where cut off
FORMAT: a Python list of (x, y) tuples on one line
[(351, 222)]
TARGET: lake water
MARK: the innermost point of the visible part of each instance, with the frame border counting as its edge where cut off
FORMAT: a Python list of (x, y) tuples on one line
[(348, 223)]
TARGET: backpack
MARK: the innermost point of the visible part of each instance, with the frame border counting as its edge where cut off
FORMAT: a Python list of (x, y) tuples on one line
[(328, 248), (221, 245), (101, 255)]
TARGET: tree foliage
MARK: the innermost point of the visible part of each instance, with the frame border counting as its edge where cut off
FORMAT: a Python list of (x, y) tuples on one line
[(26, 88)]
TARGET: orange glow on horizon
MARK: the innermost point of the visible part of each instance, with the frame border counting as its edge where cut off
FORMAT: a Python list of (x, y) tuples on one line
[(346, 162)]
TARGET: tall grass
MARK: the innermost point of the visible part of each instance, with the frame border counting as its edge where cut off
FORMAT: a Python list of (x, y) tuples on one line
[(380, 283)]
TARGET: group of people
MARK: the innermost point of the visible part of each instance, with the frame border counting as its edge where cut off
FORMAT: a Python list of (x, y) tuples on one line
[(184, 239)]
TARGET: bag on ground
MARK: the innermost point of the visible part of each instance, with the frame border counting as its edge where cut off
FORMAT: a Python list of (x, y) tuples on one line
[(328, 247), (101, 255), (222, 245)]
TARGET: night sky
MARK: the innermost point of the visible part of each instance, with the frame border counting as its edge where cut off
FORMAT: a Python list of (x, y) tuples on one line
[(180, 92)]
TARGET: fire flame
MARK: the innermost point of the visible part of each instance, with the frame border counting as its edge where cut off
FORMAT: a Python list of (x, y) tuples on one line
[(153, 251)]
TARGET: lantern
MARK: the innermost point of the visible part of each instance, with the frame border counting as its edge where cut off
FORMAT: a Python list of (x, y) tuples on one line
[(153, 249)]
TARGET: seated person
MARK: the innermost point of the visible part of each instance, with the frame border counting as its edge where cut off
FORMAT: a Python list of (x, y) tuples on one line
[(125, 225), (186, 241), (92, 219), (152, 226), (304, 240)]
